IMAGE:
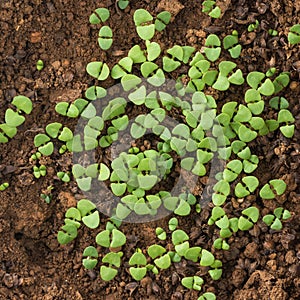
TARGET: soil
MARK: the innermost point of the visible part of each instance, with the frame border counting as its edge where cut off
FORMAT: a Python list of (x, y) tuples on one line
[(261, 264)]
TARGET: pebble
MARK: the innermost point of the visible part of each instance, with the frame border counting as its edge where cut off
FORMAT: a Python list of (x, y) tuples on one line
[(36, 37), (56, 65)]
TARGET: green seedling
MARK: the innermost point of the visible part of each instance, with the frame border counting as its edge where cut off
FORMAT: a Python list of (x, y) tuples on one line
[(161, 234), (90, 259), (98, 70), (273, 32), (209, 8), (253, 26), (274, 187), (39, 65), (4, 186), (138, 268), (89, 214), (39, 171), (207, 296), (231, 44), (67, 234), (221, 191), (99, 16), (216, 271), (173, 223), (67, 109), (193, 253), (47, 198), (274, 221), (294, 34), (111, 239), (194, 282), (285, 116), (180, 241), (157, 253), (63, 176), (212, 48), (220, 243), (114, 261), (249, 185), (250, 217), (232, 171), (255, 81), (162, 20), (123, 4), (143, 20), (105, 39), (279, 103), (251, 164), (281, 82)]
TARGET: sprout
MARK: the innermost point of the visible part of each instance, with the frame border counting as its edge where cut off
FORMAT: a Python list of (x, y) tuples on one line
[(114, 261), (207, 296), (251, 215), (139, 260), (98, 70), (285, 116), (212, 49), (89, 214), (268, 191), (99, 16), (194, 282), (173, 223), (249, 185), (111, 239), (208, 8), (39, 65), (253, 26), (4, 186), (142, 18), (274, 221), (161, 260), (105, 38), (294, 34), (162, 20), (39, 171), (67, 234), (91, 257), (230, 43)]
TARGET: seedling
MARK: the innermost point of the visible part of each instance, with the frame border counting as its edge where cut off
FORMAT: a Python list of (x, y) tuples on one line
[(162, 20), (250, 217), (279, 103), (220, 243), (142, 20), (274, 221), (194, 282), (193, 254), (138, 260), (161, 260), (230, 43), (111, 239), (67, 109), (39, 171), (63, 176), (180, 241), (105, 38), (46, 198), (212, 49), (99, 16), (98, 70), (161, 234), (67, 234), (114, 261), (39, 65), (249, 185), (173, 223), (91, 257), (4, 186), (275, 186), (216, 271), (253, 26), (285, 116), (272, 32), (89, 214), (294, 34), (209, 8)]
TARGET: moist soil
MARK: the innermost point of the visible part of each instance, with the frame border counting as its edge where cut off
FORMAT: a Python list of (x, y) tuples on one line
[(261, 264)]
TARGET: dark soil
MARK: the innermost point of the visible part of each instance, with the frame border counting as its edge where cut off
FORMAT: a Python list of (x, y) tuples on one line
[(260, 264)]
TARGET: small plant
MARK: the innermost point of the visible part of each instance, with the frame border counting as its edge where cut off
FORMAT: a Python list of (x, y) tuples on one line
[(111, 239), (157, 253), (274, 187), (250, 216), (39, 65), (294, 34), (39, 171), (207, 296), (142, 19), (253, 26), (113, 260), (274, 221), (105, 38), (209, 8), (4, 186), (138, 268), (90, 259), (230, 43), (212, 48), (99, 16), (63, 176)]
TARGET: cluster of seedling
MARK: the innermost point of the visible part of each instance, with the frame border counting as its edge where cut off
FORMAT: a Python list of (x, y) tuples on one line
[(203, 135)]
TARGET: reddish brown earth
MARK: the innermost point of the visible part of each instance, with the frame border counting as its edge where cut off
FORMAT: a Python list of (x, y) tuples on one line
[(260, 264)]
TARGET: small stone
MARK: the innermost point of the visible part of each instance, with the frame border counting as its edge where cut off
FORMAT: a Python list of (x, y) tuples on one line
[(36, 37), (56, 64)]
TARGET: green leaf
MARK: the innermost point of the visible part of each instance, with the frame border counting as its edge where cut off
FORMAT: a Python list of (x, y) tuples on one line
[(13, 119), (108, 273), (22, 103)]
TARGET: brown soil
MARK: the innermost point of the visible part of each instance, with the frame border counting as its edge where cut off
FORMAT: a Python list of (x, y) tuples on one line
[(260, 264)]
